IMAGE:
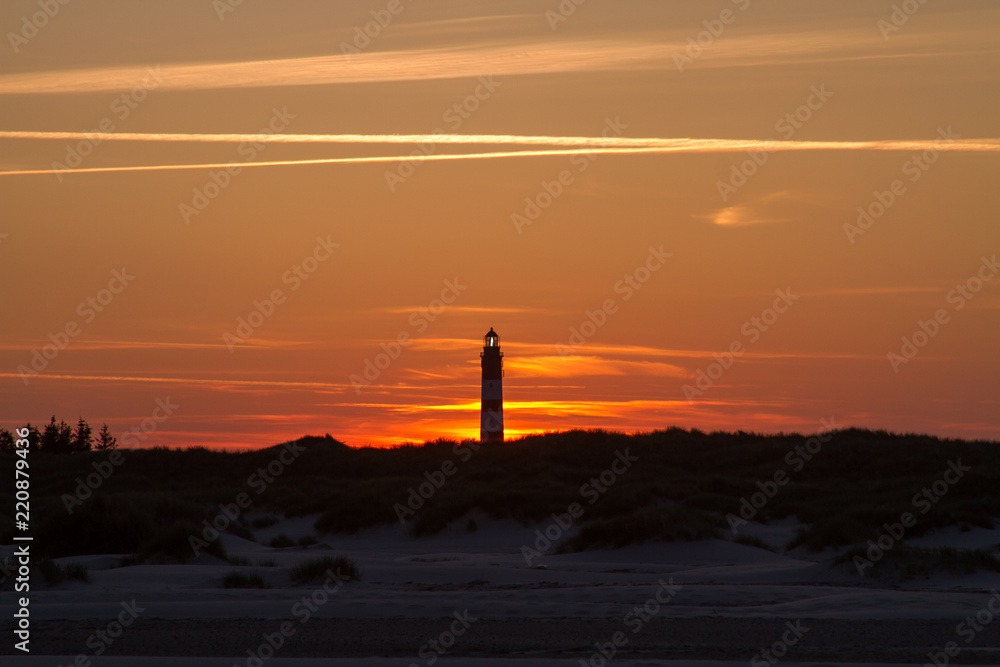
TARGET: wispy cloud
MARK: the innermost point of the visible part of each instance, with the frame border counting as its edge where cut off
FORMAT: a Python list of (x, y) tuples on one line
[(758, 211), (218, 383), (156, 345), (659, 144), (611, 351), (556, 146), (506, 310), (380, 66), (582, 366), (636, 51), (873, 291)]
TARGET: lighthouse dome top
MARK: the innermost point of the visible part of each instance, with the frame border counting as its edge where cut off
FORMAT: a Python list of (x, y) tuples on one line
[(491, 338)]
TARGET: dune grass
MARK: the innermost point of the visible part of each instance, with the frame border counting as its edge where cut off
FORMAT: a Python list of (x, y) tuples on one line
[(281, 541), (238, 579), (662, 524), (159, 498), (54, 573), (264, 522), (317, 569), (907, 562), (754, 541)]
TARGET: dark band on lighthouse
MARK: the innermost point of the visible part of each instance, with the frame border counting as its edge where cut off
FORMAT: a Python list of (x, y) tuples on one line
[(491, 414)]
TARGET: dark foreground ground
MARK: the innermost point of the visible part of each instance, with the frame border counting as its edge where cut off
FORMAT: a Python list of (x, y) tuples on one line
[(830, 640)]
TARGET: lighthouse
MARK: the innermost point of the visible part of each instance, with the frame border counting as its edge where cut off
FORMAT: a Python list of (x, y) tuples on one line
[(491, 413)]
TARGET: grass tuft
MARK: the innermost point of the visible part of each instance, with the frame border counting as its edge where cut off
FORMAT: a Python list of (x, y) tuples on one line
[(54, 573), (281, 542), (264, 522), (754, 541), (243, 580), (666, 524), (906, 562), (317, 569)]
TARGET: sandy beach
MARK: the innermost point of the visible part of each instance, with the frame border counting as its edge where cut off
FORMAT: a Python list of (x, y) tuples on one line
[(472, 599)]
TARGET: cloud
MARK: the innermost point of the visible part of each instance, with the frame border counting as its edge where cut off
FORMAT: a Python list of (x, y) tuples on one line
[(396, 310), (381, 66), (153, 345), (556, 146), (222, 384), (646, 50), (582, 366), (758, 211), (869, 291)]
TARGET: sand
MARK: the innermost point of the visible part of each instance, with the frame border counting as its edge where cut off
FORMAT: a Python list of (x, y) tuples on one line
[(675, 604)]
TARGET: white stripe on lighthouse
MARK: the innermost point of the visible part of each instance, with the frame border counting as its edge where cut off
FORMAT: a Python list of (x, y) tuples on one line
[(492, 390)]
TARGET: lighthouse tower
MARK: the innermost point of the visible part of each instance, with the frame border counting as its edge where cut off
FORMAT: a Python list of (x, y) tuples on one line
[(491, 414)]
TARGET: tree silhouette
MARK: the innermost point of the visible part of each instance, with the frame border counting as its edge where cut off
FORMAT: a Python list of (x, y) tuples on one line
[(105, 440), (34, 437), (57, 438), (83, 440)]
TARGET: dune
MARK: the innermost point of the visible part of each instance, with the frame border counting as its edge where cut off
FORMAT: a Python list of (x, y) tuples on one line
[(727, 602)]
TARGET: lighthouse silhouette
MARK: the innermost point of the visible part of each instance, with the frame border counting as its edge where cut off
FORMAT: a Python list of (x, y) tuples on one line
[(491, 413)]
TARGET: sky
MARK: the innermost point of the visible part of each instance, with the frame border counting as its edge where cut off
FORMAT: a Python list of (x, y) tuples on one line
[(231, 224)]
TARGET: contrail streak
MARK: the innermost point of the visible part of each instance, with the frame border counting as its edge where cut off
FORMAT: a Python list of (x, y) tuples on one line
[(680, 144), (342, 160), (552, 146)]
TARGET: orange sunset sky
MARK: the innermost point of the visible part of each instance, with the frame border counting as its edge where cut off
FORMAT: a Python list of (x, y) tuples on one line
[(669, 170)]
